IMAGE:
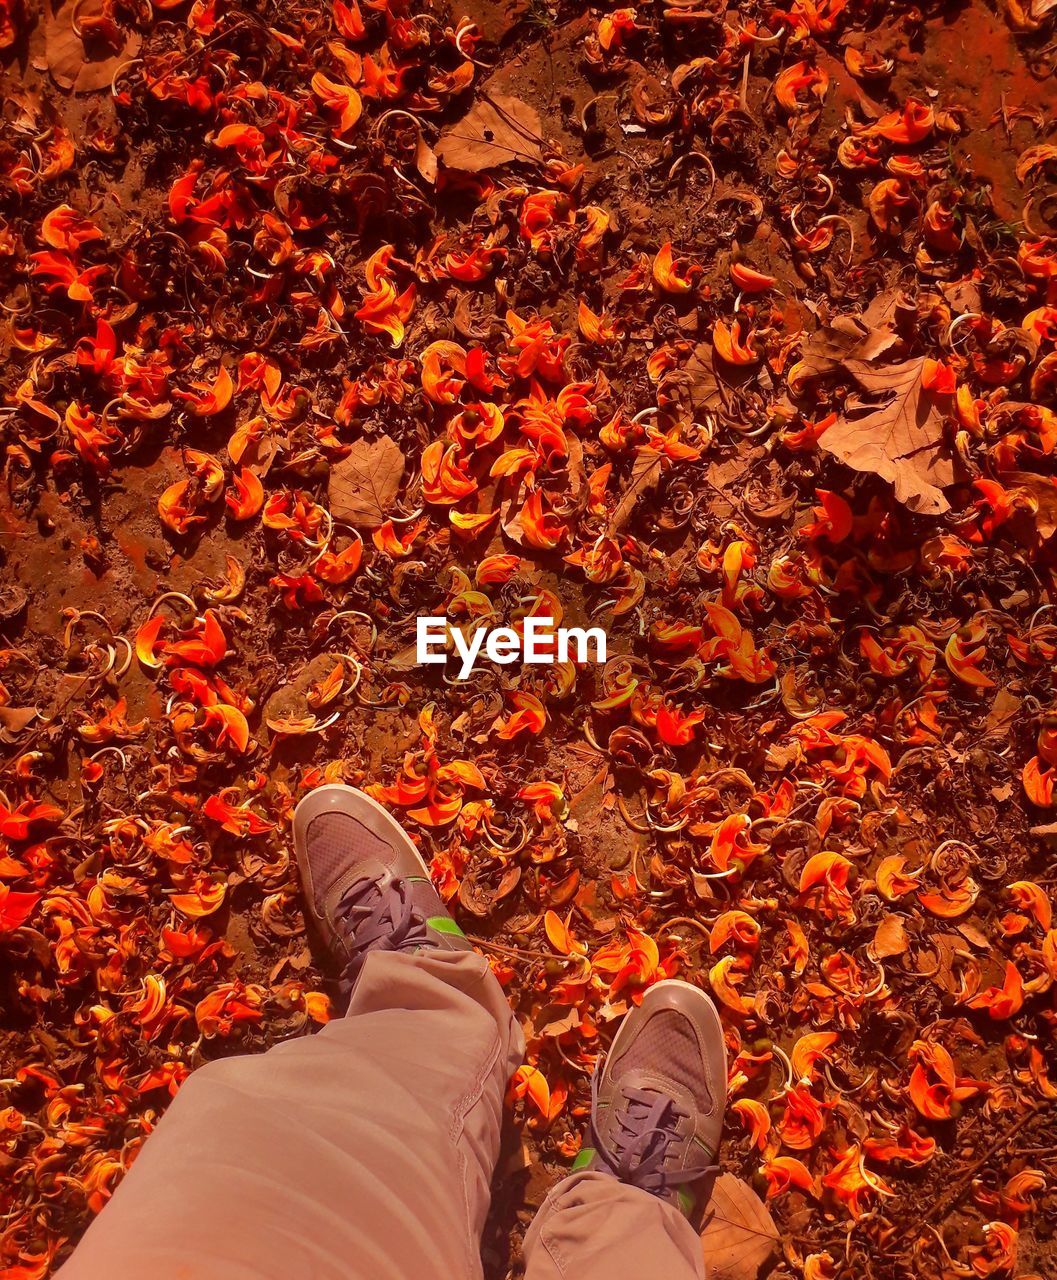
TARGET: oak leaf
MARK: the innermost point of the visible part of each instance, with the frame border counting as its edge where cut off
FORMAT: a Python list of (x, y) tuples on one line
[(900, 439), (364, 485)]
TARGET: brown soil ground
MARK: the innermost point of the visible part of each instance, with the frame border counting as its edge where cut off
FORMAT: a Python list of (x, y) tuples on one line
[(130, 861)]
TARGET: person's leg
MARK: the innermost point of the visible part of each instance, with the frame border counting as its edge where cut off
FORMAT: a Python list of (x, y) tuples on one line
[(362, 1153), (656, 1119), (592, 1227)]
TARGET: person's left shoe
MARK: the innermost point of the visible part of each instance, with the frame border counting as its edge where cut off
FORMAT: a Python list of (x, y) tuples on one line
[(367, 888)]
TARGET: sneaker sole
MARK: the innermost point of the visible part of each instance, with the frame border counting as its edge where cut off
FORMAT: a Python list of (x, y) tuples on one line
[(336, 797)]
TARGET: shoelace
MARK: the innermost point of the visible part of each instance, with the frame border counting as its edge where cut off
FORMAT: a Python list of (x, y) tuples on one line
[(380, 916), (648, 1123)]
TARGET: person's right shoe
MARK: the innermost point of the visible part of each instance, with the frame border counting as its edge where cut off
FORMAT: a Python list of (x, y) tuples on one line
[(659, 1097)]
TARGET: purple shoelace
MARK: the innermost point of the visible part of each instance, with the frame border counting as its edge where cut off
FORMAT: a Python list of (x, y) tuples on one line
[(648, 1121), (380, 917)]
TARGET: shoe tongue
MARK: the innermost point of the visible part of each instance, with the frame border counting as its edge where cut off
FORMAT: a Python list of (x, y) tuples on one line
[(646, 1107), (642, 1116), (356, 882), (379, 910), (638, 1148), (373, 879), (373, 899), (640, 1081)]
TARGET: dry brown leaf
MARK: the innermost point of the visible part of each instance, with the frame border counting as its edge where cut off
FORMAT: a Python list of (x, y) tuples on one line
[(974, 936), (826, 349), (645, 475), (739, 1237), (499, 130), (1003, 710), (962, 295), (706, 395), (947, 947), (901, 439), (784, 755), (727, 473), (556, 1020), (364, 485), (576, 475), (13, 720), (72, 65), (425, 159), (881, 318), (510, 513), (890, 938), (862, 337)]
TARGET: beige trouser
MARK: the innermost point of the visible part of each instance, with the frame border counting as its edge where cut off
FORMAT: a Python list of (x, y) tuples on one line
[(366, 1153)]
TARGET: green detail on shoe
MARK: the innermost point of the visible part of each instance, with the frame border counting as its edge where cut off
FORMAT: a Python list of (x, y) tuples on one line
[(687, 1201), (445, 924)]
